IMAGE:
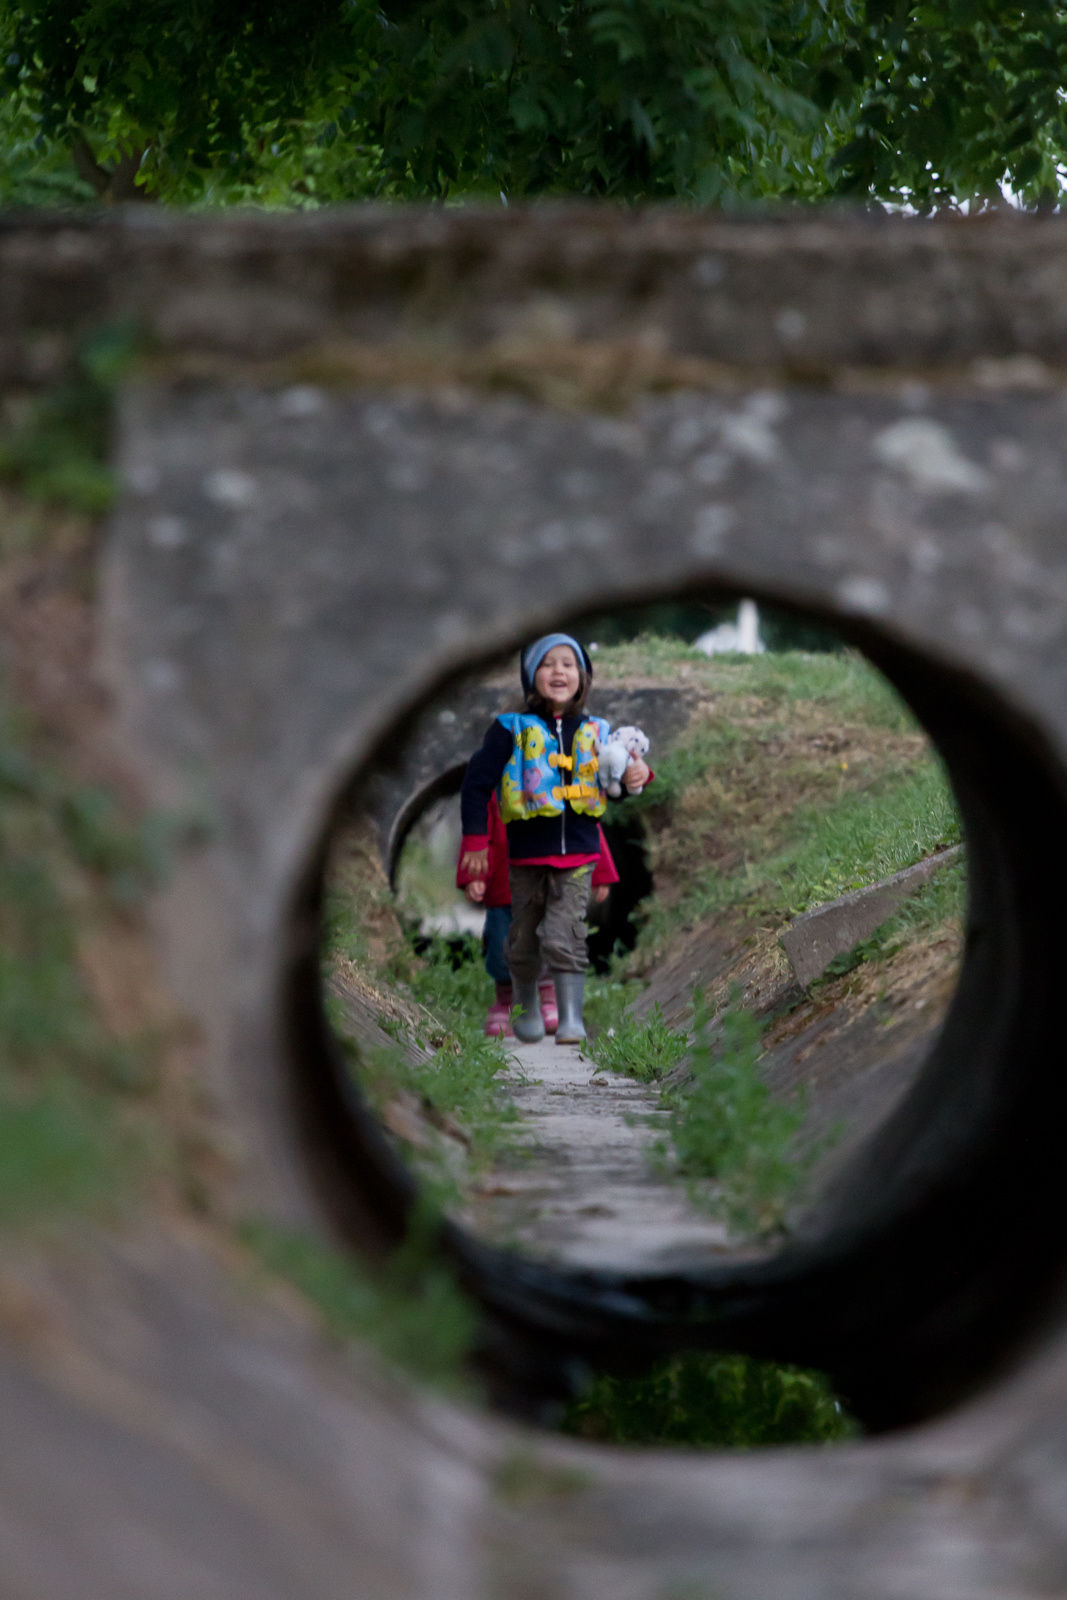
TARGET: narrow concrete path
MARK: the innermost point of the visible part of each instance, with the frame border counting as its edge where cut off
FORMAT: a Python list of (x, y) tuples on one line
[(579, 1188)]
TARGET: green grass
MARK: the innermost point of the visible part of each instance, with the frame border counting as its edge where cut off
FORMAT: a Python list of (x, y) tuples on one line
[(733, 1145), (852, 841), (759, 785), (943, 899), (712, 1401), (729, 1138), (448, 991), (847, 681), (606, 999), (864, 838), (706, 746), (352, 905), (643, 1048), (461, 1079), (451, 982)]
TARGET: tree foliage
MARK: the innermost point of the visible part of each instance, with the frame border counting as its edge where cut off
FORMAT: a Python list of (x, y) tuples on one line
[(636, 98), (704, 100), (951, 101)]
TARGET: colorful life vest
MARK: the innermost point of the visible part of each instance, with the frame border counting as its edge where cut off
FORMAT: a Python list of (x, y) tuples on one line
[(539, 779)]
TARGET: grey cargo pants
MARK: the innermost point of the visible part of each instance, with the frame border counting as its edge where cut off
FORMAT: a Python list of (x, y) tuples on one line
[(548, 907)]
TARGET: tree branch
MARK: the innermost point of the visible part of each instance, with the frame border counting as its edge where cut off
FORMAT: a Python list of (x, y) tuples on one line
[(114, 184)]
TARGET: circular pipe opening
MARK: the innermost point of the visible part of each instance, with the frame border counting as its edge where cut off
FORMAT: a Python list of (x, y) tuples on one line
[(939, 1251)]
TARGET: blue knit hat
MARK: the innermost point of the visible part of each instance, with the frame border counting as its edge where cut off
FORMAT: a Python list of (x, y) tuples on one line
[(536, 653)]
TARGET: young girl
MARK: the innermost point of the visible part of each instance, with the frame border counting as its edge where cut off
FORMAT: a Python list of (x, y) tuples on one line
[(495, 895), (543, 761)]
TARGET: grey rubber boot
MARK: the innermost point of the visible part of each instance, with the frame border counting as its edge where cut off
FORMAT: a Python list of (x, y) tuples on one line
[(570, 997), (529, 1028)]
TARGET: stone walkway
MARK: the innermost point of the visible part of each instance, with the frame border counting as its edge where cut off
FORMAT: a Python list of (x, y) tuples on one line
[(580, 1188)]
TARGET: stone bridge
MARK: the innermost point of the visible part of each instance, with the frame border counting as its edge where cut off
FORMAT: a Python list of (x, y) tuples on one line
[(362, 453)]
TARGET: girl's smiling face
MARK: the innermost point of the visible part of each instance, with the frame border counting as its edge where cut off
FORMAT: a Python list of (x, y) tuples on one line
[(557, 679)]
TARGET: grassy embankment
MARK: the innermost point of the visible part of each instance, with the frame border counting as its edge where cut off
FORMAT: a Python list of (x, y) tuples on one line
[(801, 777), (438, 1086)]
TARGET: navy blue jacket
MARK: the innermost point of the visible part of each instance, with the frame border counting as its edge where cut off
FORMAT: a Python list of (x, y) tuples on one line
[(570, 834)]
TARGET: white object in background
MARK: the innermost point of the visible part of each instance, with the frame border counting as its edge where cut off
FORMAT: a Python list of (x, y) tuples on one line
[(457, 919), (734, 638), (748, 640)]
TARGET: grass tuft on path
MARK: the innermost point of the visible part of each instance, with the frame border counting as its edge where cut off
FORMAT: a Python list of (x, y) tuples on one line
[(642, 1048), (734, 1144)]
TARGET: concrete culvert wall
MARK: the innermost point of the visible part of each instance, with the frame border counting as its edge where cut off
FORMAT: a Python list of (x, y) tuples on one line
[(355, 465)]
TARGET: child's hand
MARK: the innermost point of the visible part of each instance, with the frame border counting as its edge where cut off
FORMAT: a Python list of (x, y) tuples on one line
[(636, 775), (601, 892), (475, 891), (476, 862)]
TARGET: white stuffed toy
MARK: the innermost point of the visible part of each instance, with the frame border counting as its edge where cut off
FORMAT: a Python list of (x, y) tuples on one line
[(615, 756)]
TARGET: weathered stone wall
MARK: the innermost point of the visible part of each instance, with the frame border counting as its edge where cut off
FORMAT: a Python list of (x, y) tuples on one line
[(363, 452)]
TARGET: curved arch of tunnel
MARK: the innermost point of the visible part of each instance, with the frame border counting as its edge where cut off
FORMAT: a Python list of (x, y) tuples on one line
[(939, 1255), (442, 787)]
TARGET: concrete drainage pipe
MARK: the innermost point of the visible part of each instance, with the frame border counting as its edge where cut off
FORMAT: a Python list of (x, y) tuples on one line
[(374, 449)]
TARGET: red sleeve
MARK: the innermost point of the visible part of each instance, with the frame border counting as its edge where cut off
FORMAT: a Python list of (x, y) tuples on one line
[(605, 870), (472, 844), (498, 885)]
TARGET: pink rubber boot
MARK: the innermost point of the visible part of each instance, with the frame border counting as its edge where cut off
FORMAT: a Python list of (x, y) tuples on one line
[(549, 1010), (498, 1017)]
